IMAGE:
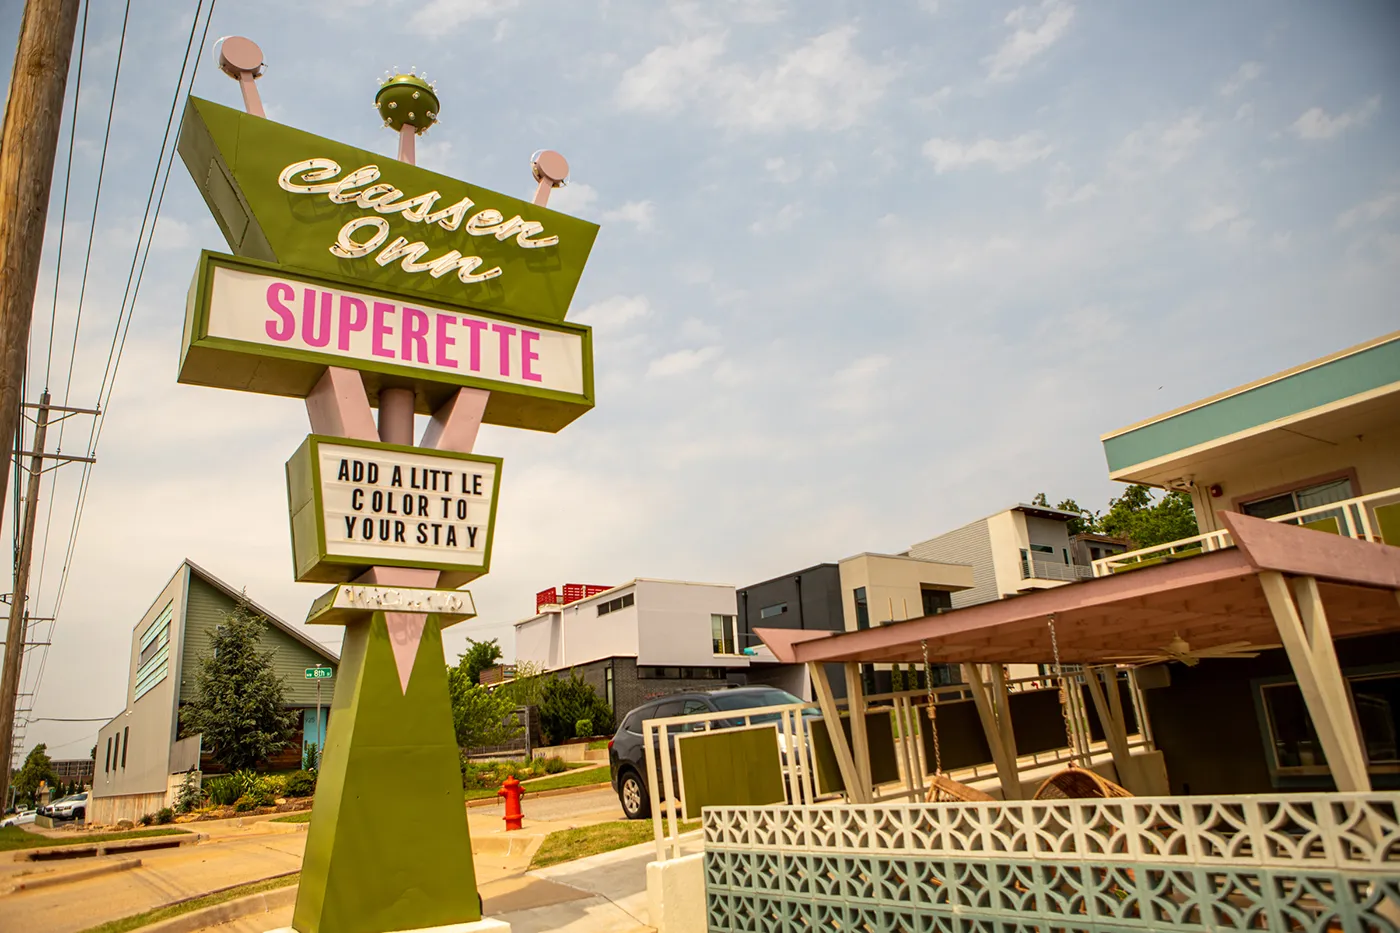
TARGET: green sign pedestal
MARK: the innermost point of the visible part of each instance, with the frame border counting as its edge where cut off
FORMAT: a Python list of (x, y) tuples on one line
[(388, 847)]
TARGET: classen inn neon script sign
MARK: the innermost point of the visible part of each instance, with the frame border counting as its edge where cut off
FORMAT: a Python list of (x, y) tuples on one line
[(361, 236)]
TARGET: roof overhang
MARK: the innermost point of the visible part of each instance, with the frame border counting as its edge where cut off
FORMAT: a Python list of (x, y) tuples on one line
[(1209, 600)]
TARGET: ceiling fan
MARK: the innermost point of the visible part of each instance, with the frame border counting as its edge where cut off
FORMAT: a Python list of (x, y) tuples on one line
[(1178, 649)]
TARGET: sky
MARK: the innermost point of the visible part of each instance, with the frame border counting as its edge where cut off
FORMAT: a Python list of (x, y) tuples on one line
[(866, 272)]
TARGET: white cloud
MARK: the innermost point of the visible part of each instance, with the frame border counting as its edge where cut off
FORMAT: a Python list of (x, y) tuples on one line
[(612, 313), (573, 198), (1062, 192), (637, 213), (1374, 209), (856, 386), (823, 84), (782, 219), (1033, 30), (1003, 155), (1319, 124), (438, 16), (1246, 73), (682, 361), (1157, 146), (1222, 218), (434, 155)]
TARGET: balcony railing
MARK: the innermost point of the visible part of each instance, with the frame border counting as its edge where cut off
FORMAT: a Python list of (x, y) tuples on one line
[(1354, 518), (1032, 569)]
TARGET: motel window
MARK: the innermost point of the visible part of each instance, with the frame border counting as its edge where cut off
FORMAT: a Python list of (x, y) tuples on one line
[(936, 601), (613, 605), (1293, 743), (723, 637), (862, 609), (1305, 498), (768, 612), (126, 743)]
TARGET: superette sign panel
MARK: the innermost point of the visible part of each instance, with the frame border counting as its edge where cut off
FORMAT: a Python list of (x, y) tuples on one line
[(259, 328), (357, 504)]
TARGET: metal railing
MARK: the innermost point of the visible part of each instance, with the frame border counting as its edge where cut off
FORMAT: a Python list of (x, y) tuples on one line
[(1355, 518), (1033, 569)]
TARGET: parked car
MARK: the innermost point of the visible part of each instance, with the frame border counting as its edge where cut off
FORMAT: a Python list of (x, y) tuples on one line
[(627, 754), (21, 818), (69, 808)]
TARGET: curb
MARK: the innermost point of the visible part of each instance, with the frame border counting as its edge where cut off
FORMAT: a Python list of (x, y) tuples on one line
[(112, 847), (48, 881), (262, 903), (535, 795)]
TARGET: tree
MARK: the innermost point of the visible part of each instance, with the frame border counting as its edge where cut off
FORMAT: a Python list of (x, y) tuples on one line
[(37, 767), (527, 687), (480, 715), (1136, 515), (479, 656), (238, 702), (566, 701)]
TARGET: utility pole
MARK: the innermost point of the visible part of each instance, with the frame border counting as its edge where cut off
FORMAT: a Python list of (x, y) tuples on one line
[(28, 142), (18, 633)]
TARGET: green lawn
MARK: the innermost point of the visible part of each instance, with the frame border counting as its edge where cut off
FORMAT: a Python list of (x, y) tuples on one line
[(13, 837), (569, 844), (578, 778), (184, 907), (301, 816)]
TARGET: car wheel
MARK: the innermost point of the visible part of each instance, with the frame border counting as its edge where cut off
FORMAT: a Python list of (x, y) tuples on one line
[(79, 814), (632, 794)]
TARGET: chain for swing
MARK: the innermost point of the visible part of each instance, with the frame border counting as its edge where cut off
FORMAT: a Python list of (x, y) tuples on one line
[(932, 713), (1064, 687)]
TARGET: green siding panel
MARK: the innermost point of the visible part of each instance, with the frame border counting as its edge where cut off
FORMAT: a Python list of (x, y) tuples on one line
[(741, 768), (879, 735), (1351, 375), (205, 608)]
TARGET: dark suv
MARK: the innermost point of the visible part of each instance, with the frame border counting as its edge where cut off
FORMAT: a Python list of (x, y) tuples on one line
[(627, 752)]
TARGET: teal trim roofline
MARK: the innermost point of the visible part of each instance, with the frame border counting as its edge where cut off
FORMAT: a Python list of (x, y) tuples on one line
[(1367, 368)]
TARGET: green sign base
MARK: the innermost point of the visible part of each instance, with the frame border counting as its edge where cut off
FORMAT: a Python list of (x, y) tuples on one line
[(388, 847)]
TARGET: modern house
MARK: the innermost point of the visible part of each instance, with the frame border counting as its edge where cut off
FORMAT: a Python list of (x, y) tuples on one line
[(69, 770), (141, 759), (856, 593), (642, 639), (1317, 445)]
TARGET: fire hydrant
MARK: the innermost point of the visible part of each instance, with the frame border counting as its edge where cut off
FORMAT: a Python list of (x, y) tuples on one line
[(510, 790)]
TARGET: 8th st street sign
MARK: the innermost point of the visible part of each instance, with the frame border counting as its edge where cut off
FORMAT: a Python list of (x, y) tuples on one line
[(319, 673)]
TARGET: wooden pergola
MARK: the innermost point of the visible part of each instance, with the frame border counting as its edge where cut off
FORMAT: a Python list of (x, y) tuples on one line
[(1280, 584)]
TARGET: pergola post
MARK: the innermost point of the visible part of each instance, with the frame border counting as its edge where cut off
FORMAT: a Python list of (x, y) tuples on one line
[(860, 742), (1302, 626), (1115, 729), (1003, 752), (831, 716)]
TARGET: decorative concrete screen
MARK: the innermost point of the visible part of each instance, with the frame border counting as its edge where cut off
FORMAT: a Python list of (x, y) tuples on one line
[(1315, 863)]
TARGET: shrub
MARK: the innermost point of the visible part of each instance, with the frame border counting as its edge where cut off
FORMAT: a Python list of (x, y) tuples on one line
[(224, 790), (244, 804), (245, 780), (555, 765), (568, 701), (583, 728), (165, 815), (301, 784), (310, 757), (147, 819), (272, 785), (190, 795)]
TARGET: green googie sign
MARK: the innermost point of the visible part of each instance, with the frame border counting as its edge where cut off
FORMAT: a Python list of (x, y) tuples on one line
[(283, 195)]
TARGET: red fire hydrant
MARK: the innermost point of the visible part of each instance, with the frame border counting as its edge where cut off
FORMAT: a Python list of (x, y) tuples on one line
[(510, 790)]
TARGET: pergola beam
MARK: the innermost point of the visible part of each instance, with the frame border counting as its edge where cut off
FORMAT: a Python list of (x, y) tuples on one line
[(1003, 753), (1115, 729), (860, 742), (831, 716), (1302, 625)]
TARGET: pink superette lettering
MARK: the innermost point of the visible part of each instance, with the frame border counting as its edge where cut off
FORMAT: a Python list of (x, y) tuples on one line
[(443, 340), (381, 329), (353, 316), (528, 356), (313, 336), (476, 327), (506, 332), (278, 294), (415, 335)]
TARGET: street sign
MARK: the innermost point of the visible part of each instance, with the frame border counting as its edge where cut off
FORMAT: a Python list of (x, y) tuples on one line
[(359, 504), (319, 673)]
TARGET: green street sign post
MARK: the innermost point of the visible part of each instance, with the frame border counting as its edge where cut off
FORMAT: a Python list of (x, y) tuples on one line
[(360, 282)]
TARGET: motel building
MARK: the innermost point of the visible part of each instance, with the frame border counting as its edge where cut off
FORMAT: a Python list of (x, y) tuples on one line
[(1220, 751), (141, 759)]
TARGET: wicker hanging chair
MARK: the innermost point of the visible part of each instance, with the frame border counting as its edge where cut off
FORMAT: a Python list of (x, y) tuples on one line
[(942, 788), (1073, 783)]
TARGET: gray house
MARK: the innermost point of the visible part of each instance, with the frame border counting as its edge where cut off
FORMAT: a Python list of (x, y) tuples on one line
[(141, 761)]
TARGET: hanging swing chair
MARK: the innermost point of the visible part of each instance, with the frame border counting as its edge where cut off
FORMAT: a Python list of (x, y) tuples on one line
[(1074, 782), (942, 788)]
